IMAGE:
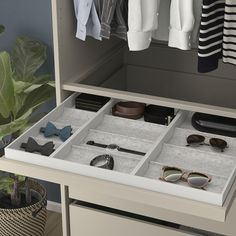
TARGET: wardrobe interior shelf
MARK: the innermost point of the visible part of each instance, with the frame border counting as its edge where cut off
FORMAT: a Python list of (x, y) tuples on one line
[(162, 145)]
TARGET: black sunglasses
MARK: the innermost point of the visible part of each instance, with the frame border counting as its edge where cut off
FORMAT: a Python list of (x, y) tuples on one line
[(197, 140)]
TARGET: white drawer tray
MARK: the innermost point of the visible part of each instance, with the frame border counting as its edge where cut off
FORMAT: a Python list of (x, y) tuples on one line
[(163, 145)]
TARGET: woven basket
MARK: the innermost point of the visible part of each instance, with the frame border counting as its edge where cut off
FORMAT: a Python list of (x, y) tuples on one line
[(27, 221)]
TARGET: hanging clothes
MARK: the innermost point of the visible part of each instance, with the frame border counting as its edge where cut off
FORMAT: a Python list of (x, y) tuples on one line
[(211, 35), (168, 20), (142, 21), (229, 39), (98, 6), (181, 24), (197, 11), (119, 24), (88, 22), (114, 18), (162, 33), (108, 11)]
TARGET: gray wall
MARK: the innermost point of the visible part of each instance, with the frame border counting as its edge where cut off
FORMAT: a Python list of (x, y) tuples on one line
[(31, 18)]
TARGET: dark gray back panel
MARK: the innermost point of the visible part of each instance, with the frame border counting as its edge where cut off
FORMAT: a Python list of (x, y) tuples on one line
[(173, 73)]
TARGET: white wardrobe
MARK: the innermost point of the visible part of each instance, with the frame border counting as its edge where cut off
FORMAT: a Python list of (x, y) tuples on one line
[(131, 200)]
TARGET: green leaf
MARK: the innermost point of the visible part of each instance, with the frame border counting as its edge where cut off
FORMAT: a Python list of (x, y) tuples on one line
[(37, 97), (38, 82), (7, 99), (27, 57), (20, 101), (22, 89), (15, 125), (21, 178), (4, 120), (20, 95), (27, 87), (6, 184), (42, 79), (2, 29), (20, 86)]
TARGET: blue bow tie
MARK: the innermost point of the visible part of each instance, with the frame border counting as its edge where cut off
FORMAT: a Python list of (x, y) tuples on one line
[(51, 130)]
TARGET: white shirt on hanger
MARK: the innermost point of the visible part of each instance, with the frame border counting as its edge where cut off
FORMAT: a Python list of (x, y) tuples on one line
[(181, 24), (162, 33), (175, 21), (142, 21)]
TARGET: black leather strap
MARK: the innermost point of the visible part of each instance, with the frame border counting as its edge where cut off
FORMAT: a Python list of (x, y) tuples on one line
[(114, 146), (92, 143), (131, 151)]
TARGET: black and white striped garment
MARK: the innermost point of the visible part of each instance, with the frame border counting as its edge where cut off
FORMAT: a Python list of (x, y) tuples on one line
[(229, 40), (211, 35)]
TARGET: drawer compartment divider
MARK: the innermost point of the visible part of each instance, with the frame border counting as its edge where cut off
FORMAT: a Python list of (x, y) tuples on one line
[(164, 137)]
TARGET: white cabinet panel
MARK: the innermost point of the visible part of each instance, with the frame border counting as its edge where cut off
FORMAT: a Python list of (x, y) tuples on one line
[(90, 222)]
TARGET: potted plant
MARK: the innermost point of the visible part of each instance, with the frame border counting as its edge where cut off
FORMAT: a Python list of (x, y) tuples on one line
[(22, 206), (22, 91)]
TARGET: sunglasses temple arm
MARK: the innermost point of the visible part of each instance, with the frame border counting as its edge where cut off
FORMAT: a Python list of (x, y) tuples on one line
[(210, 179), (189, 145), (162, 179)]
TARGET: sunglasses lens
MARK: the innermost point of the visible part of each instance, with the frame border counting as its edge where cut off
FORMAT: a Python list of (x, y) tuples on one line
[(172, 174), (195, 139), (218, 143), (198, 180)]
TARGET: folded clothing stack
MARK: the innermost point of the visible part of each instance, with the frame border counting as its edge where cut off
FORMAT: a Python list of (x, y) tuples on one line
[(90, 102), (130, 110), (158, 114)]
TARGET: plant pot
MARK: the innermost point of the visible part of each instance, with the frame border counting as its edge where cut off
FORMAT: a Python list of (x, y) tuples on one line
[(26, 221)]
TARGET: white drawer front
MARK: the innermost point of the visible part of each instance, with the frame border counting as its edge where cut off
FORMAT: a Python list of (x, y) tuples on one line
[(90, 222)]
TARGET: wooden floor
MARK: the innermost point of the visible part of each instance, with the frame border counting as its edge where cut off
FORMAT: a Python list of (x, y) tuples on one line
[(54, 225)]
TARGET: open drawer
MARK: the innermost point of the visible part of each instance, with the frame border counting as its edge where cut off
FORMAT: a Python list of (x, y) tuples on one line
[(161, 145)]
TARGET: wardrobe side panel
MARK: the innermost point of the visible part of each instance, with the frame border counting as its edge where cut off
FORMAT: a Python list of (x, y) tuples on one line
[(73, 57)]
